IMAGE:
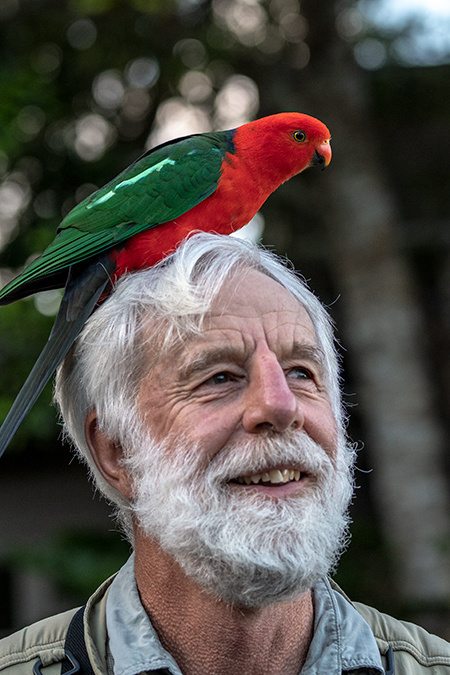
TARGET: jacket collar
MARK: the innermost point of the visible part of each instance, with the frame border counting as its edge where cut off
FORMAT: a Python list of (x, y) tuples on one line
[(342, 641)]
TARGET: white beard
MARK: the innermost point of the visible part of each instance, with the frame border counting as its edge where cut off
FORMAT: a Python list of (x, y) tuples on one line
[(245, 547)]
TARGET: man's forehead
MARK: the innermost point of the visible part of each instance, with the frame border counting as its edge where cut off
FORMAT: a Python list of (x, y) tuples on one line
[(245, 306), (254, 289), (239, 321)]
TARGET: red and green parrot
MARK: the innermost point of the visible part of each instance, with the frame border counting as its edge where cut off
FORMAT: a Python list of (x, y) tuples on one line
[(212, 181)]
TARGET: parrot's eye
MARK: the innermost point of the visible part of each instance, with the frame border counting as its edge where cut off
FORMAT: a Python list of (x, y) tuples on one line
[(299, 136)]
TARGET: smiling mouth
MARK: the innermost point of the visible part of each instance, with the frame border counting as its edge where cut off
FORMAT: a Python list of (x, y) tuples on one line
[(272, 477)]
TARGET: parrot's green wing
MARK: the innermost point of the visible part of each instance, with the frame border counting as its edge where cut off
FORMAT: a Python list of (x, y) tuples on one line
[(159, 187)]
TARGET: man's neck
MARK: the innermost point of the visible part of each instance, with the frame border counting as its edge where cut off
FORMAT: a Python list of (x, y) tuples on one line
[(207, 636)]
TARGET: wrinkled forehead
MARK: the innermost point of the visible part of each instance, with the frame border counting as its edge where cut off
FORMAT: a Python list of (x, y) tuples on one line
[(249, 302), (256, 294), (255, 307)]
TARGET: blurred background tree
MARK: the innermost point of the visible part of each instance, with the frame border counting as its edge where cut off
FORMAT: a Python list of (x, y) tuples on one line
[(88, 85)]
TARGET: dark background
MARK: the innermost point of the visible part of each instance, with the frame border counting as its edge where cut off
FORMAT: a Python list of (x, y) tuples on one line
[(85, 87)]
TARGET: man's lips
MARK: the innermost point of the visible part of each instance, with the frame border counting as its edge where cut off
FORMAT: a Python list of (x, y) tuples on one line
[(277, 481), (271, 477)]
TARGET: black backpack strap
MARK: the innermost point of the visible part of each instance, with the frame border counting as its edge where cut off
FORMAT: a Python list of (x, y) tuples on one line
[(390, 670), (77, 659)]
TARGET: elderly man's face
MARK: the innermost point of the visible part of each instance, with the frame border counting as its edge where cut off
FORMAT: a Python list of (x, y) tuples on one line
[(255, 367), (238, 472)]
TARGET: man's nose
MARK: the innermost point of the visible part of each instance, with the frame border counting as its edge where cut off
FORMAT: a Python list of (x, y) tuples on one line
[(269, 403)]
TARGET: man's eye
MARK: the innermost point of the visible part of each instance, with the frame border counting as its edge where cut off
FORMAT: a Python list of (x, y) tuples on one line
[(220, 378), (300, 373)]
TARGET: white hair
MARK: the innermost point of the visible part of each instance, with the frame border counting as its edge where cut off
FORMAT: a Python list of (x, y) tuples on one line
[(110, 357)]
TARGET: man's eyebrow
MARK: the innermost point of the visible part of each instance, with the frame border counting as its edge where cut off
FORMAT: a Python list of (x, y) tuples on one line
[(210, 356)]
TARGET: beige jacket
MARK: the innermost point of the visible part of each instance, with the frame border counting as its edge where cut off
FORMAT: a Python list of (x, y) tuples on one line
[(416, 652)]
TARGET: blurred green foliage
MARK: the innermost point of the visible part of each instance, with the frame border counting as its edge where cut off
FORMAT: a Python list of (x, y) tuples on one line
[(77, 562)]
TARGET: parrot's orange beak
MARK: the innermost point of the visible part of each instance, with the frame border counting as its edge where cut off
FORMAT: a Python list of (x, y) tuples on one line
[(324, 149), (322, 154)]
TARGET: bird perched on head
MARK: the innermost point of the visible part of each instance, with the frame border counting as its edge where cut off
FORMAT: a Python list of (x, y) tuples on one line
[(213, 181)]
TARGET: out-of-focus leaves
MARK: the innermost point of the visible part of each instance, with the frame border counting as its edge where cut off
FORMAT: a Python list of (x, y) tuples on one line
[(23, 333), (77, 562)]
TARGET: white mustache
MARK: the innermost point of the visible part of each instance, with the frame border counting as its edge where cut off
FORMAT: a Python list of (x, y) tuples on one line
[(263, 452)]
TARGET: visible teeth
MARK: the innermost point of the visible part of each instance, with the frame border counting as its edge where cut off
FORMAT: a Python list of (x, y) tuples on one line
[(276, 476), (273, 476)]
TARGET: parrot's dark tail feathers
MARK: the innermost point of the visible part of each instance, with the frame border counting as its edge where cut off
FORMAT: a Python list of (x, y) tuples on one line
[(63, 335)]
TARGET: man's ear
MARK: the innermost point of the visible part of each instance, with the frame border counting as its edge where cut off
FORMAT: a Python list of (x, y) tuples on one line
[(106, 455)]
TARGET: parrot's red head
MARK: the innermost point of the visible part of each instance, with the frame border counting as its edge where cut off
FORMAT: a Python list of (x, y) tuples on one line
[(283, 145)]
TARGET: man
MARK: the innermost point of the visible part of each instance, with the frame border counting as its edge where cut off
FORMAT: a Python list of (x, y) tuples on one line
[(204, 397)]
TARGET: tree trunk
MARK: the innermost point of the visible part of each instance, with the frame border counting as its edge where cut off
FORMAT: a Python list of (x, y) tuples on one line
[(382, 319)]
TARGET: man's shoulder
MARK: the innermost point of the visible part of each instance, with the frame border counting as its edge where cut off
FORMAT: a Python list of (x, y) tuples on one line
[(42, 640), (45, 639), (412, 645), (429, 650)]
